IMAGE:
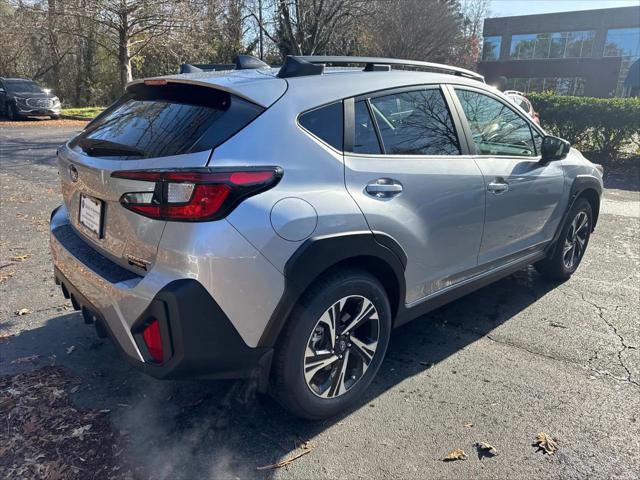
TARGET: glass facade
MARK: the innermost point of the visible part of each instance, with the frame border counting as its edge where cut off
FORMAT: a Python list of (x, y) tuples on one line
[(573, 86), (491, 48), (622, 42), (625, 43), (552, 45)]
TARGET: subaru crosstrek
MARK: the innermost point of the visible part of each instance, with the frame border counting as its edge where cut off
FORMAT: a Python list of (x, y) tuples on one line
[(278, 223)]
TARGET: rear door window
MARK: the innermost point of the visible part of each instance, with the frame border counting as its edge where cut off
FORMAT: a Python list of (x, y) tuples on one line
[(171, 119), (326, 123), (365, 138), (415, 123)]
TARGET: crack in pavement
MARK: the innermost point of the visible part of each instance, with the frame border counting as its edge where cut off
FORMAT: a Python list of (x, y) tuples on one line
[(564, 360), (612, 327)]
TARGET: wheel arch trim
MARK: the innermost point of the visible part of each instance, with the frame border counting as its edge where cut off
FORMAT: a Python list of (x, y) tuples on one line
[(319, 254)]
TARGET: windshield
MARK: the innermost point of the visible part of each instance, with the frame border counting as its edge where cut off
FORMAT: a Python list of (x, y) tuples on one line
[(20, 86)]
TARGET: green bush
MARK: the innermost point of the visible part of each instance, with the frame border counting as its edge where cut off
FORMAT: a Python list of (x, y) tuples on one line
[(603, 125)]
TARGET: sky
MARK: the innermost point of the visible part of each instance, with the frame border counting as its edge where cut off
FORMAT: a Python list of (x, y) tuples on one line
[(507, 8)]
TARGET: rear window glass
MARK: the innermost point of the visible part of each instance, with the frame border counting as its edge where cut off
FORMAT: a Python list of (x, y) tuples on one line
[(172, 119), (365, 139), (325, 123), (415, 123)]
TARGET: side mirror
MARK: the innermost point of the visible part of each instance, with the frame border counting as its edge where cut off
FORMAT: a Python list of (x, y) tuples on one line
[(1, 90), (554, 148)]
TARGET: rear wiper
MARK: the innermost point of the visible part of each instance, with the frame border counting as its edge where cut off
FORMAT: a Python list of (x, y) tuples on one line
[(104, 148)]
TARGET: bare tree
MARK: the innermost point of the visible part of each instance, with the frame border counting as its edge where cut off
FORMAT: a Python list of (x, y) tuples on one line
[(417, 29), (128, 27), (307, 27)]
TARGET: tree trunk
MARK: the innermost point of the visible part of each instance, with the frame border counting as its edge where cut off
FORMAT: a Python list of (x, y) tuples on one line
[(124, 59)]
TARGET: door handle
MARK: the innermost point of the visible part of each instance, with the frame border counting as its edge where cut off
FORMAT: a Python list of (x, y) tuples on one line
[(498, 187), (384, 188)]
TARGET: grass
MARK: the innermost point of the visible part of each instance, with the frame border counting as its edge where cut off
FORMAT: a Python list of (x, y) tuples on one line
[(85, 112)]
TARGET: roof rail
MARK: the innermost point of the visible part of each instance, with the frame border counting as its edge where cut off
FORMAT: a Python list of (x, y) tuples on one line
[(297, 66), (241, 62)]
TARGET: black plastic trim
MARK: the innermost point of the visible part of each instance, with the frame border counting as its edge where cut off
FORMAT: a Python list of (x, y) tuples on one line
[(580, 184), (318, 254), (405, 314), (199, 339)]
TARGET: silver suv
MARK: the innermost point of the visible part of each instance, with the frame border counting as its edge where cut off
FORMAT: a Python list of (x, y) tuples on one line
[(278, 223)]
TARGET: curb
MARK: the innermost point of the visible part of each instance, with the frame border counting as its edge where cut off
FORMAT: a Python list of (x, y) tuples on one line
[(75, 117)]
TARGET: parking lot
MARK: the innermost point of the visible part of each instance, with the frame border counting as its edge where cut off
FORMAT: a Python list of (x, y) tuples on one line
[(509, 361)]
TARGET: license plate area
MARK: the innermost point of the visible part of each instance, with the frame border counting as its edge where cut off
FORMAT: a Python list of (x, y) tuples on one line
[(91, 214)]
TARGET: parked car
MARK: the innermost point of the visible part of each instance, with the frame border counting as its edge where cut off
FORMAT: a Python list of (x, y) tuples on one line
[(523, 102), (21, 97), (278, 223)]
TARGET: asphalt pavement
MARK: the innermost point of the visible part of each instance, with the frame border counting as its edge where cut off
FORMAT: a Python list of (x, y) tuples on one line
[(514, 359)]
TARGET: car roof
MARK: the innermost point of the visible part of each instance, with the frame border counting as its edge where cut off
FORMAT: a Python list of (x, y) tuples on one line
[(337, 84), (264, 87)]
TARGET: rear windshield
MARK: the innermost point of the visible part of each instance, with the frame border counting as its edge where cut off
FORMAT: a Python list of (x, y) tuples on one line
[(164, 120)]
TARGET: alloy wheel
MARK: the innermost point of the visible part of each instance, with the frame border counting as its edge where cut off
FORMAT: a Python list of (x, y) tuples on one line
[(341, 346), (576, 240)]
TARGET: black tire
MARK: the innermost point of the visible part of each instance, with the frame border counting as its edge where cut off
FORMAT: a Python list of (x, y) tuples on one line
[(556, 266), (55, 117), (12, 114), (289, 385)]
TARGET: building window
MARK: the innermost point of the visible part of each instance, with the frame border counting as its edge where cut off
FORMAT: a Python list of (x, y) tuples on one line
[(491, 48), (622, 42), (625, 43), (573, 86), (552, 45)]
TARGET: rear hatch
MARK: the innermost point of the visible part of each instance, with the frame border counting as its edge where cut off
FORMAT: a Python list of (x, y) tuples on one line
[(159, 125)]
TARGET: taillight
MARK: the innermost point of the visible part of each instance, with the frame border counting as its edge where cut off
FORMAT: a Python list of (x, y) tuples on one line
[(153, 341), (195, 195)]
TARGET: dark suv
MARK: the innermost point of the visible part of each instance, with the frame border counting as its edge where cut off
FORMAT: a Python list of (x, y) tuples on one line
[(21, 97)]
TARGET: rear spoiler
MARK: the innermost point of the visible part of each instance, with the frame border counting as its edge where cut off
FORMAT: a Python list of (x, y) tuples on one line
[(242, 62)]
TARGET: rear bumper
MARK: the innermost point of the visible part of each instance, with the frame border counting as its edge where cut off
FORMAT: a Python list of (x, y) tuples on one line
[(199, 339)]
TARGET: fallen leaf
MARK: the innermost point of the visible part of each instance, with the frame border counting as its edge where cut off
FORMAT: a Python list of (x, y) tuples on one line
[(468, 425), (70, 349), (485, 449), (29, 359), (545, 443), (557, 325), (306, 448), (23, 311), (20, 258), (31, 426), (6, 276), (80, 431), (457, 454)]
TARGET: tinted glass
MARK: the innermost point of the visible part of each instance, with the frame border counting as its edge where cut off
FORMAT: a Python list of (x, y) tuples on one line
[(21, 86), (415, 123), (496, 128), (365, 139), (325, 123), (170, 120), (552, 45), (491, 48), (622, 42)]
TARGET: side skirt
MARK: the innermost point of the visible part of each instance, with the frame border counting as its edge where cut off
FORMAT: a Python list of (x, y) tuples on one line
[(436, 300)]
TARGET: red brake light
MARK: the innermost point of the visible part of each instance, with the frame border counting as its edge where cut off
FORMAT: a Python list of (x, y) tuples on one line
[(195, 195), (153, 341)]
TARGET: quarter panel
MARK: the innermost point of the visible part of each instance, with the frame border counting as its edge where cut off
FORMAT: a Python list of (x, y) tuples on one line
[(313, 172), (242, 281)]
